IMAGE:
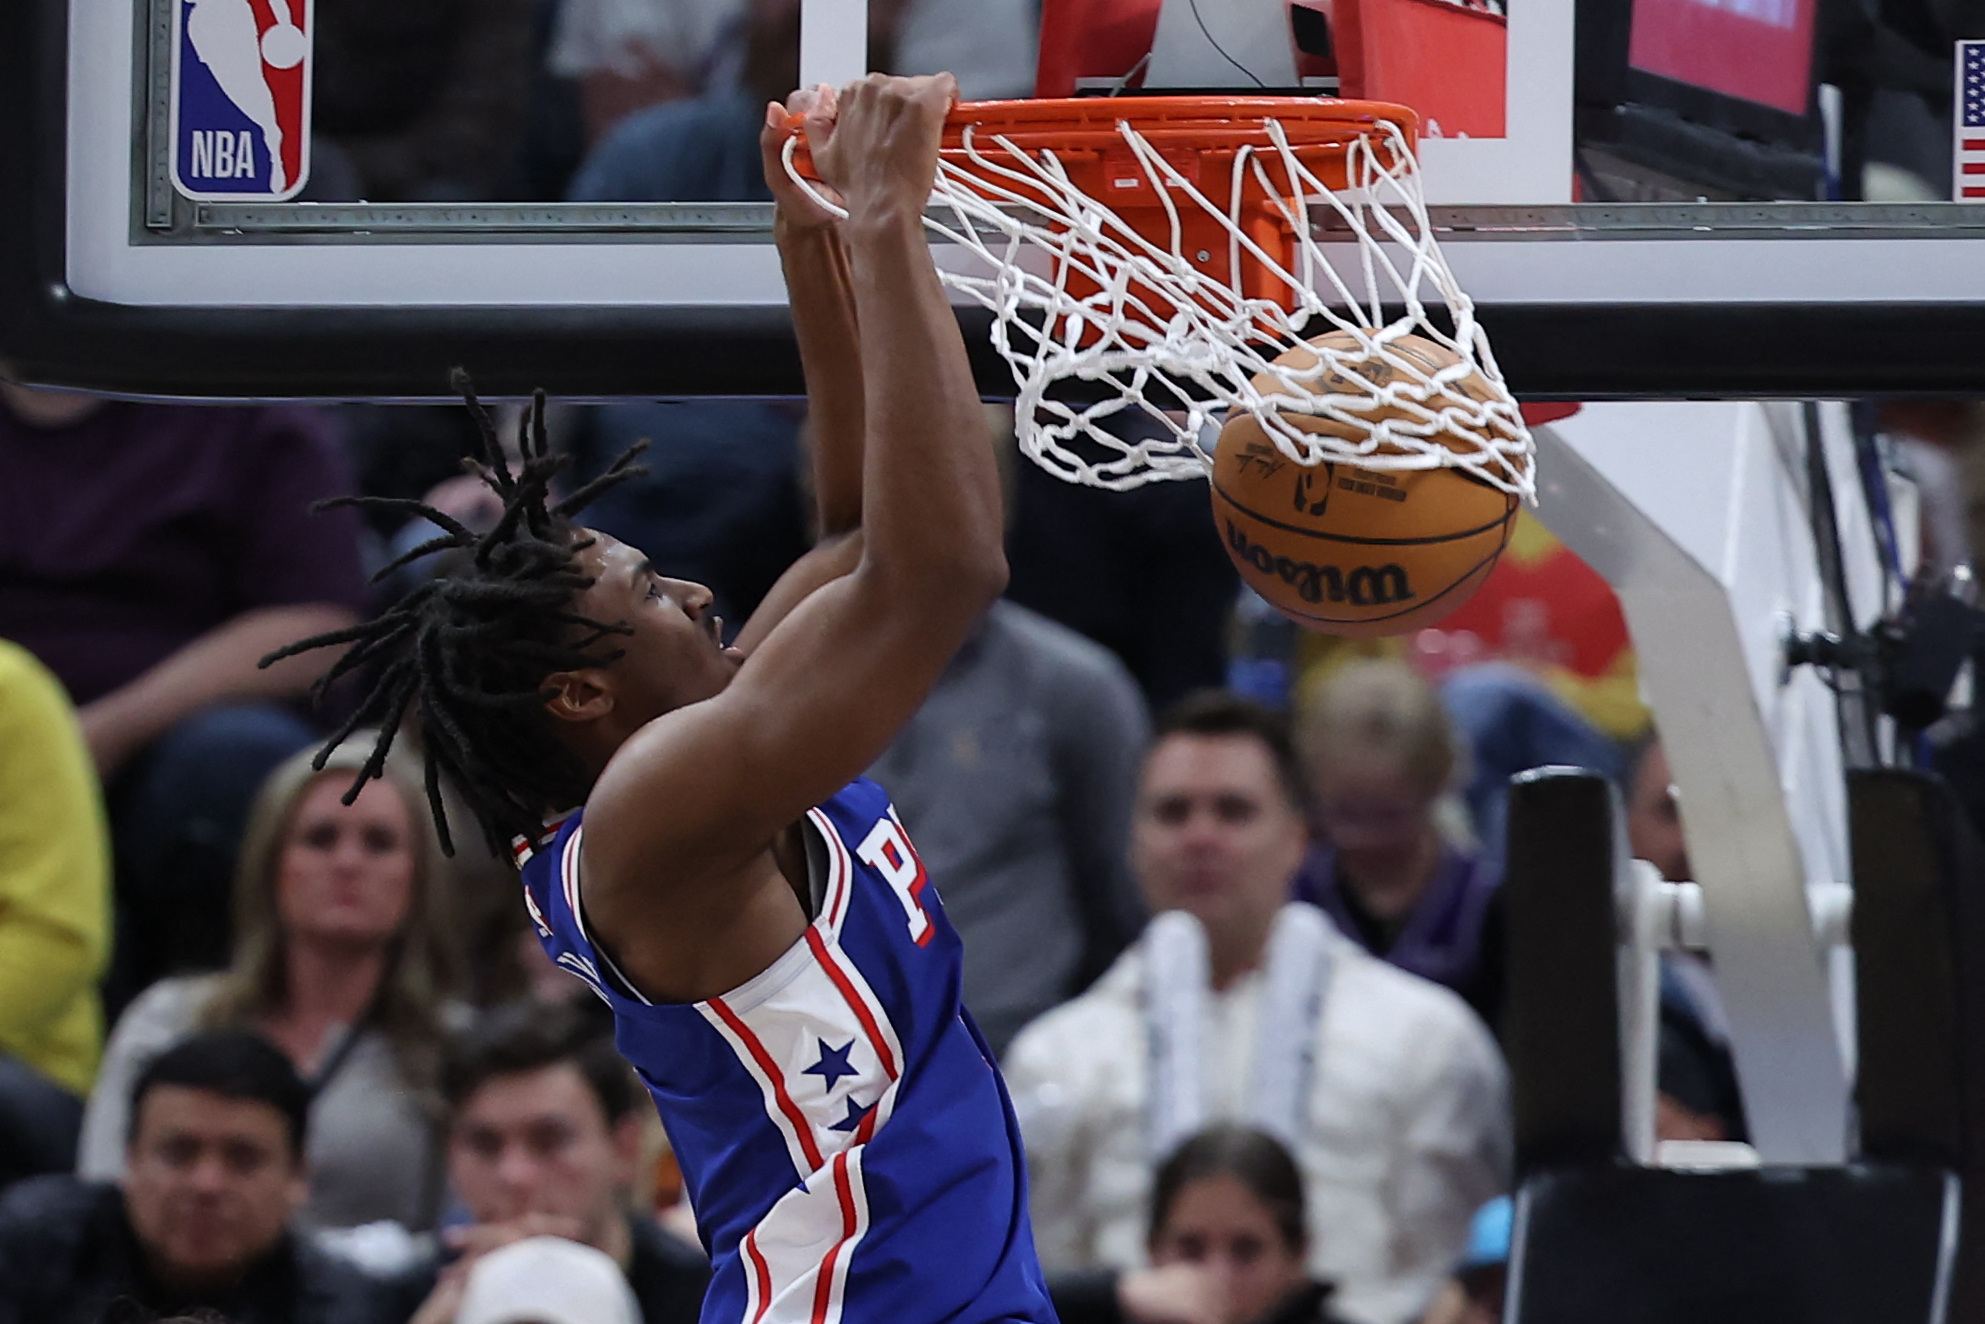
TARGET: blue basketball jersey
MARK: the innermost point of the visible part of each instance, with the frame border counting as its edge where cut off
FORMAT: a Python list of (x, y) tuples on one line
[(845, 1139)]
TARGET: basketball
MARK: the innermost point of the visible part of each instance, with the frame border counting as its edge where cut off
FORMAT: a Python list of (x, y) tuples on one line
[(1347, 550)]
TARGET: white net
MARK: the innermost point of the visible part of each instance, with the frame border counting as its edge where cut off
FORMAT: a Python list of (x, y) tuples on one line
[(1159, 353)]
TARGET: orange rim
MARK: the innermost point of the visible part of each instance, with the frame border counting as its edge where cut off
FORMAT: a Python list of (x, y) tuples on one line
[(1201, 138), (1204, 123), (1211, 123)]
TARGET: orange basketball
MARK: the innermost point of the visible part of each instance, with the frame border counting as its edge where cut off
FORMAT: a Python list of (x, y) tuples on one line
[(1347, 550)]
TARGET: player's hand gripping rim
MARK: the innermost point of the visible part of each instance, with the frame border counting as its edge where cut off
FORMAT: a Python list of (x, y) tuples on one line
[(807, 116), (891, 150)]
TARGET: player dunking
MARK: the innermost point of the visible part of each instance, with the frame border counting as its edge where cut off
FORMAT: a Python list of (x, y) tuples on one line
[(780, 971)]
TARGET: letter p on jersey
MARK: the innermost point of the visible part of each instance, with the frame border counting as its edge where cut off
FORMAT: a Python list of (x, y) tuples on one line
[(241, 98)]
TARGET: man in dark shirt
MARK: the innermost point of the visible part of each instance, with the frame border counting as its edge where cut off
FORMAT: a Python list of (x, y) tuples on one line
[(544, 1139), (150, 555), (215, 1173)]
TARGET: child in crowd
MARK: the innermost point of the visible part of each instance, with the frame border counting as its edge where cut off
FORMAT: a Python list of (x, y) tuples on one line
[(1228, 1243)]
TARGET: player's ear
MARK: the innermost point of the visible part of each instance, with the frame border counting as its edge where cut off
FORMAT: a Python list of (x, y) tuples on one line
[(578, 696)]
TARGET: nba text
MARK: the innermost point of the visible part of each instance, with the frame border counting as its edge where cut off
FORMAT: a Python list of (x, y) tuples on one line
[(1364, 586), (219, 154)]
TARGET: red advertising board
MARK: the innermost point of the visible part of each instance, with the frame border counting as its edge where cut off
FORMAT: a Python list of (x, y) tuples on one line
[(1756, 50)]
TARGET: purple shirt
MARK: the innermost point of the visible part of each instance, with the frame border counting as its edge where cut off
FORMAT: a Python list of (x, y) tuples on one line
[(1441, 939), (134, 532)]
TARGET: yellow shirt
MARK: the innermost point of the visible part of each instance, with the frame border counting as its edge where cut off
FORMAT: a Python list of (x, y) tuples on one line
[(54, 878)]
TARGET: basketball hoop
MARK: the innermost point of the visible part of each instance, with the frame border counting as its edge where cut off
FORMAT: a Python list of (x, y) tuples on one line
[(1160, 252)]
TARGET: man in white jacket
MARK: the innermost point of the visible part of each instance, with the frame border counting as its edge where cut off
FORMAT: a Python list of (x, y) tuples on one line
[(1236, 1004)]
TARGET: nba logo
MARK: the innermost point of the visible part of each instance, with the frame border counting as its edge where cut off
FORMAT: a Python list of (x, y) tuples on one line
[(240, 99)]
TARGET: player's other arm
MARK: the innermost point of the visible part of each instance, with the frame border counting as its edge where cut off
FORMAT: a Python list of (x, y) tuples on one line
[(680, 821)]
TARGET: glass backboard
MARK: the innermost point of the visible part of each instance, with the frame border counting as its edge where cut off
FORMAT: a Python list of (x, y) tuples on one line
[(1660, 197)]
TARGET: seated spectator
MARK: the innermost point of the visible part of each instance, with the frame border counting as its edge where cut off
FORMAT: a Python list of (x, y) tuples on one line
[(343, 960), (214, 1174), (544, 1134), (547, 1280), (150, 555), (1381, 757), (1228, 1243), (1015, 779), (54, 920), (1237, 1004)]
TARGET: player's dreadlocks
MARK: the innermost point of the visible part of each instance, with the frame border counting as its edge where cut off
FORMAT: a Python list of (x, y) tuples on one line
[(472, 647)]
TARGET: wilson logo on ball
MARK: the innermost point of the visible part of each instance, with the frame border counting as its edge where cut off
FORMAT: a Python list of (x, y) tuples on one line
[(1364, 586)]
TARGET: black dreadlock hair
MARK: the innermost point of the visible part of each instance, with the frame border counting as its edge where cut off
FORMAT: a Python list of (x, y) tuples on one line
[(472, 647)]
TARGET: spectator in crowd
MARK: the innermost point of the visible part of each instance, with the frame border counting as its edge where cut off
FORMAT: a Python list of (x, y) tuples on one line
[(215, 1172), (1015, 779), (544, 1134), (420, 100), (1381, 758), (1238, 1004), (1228, 1243), (1698, 1098), (54, 920), (343, 960), (150, 555)]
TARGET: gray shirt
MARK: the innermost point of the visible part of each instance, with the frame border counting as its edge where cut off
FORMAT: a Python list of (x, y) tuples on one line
[(1016, 780)]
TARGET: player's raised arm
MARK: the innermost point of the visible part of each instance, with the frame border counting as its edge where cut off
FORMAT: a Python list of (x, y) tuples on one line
[(813, 252), (680, 883)]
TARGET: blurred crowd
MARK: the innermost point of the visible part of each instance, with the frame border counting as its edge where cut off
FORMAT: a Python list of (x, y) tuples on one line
[(625, 100), (1229, 893)]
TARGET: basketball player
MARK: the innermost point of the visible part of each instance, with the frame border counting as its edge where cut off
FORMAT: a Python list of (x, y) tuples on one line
[(780, 970)]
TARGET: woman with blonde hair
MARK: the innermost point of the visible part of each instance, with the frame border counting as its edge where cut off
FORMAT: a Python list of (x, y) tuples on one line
[(1382, 759), (343, 960)]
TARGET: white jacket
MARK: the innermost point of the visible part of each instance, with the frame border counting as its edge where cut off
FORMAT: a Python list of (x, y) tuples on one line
[(1407, 1126)]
